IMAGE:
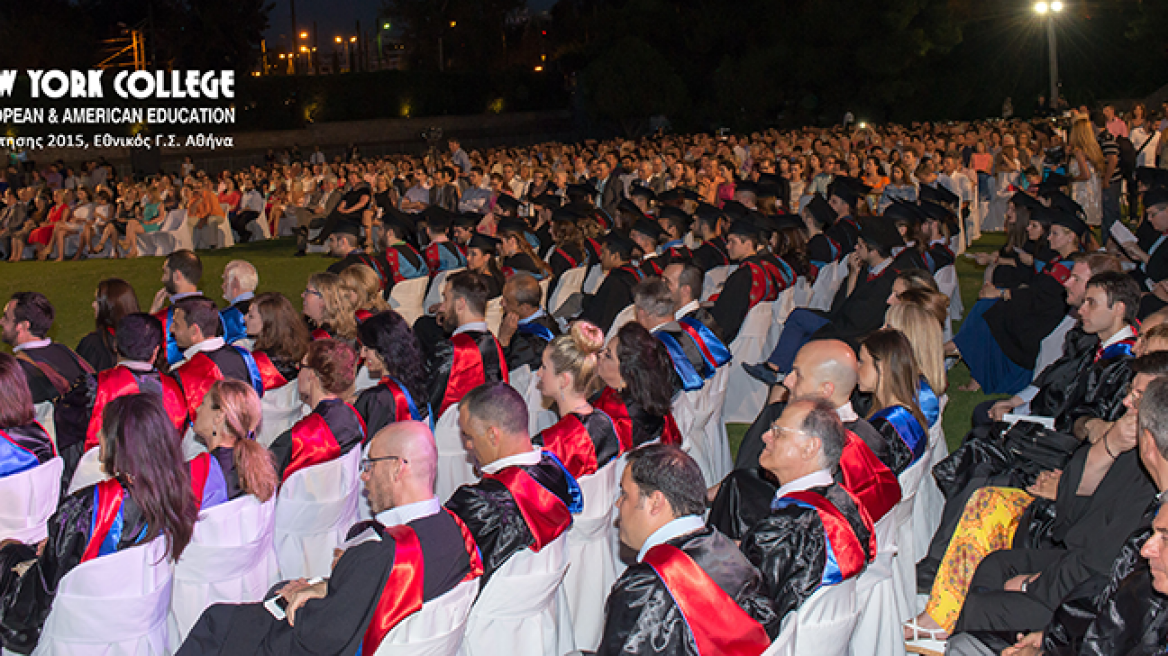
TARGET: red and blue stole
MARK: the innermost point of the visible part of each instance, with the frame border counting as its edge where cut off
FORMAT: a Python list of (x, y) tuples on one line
[(713, 351), (874, 486), (269, 374), (1059, 270), (637, 273), (375, 264), (14, 458), (403, 403), (313, 443), (763, 283), (200, 470), (467, 370), (174, 354), (200, 372), (120, 381), (718, 624), (546, 515), (569, 440), (610, 403), (691, 379), (1121, 348), (907, 427), (846, 556), (403, 594), (107, 521)]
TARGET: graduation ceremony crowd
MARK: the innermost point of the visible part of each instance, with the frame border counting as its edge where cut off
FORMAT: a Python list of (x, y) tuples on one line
[(496, 424)]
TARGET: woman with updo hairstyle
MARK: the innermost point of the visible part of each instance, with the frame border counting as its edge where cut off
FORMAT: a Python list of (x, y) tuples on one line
[(113, 300), (393, 357), (24, 443), (638, 392), (330, 313), (362, 288), (888, 371), (280, 338), (584, 439), (148, 495), (226, 424)]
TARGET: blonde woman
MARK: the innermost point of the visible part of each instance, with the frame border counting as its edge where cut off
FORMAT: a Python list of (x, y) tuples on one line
[(362, 287), (925, 334), (329, 312), (1086, 163)]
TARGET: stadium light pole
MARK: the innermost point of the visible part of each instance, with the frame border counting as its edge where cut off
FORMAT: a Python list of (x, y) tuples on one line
[(1048, 10)]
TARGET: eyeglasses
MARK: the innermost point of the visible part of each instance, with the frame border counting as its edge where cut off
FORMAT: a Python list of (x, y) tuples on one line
[(312, 292), (775, 427), (367, 463)]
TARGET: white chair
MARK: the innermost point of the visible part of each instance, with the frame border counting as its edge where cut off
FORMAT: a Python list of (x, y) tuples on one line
[(593, 565), (30, 498), (434, 294), (625, 316), (315, 507), (826, 621), (930, 503), (572, 282), (522, 610), (88, 472), (455, 464), (745, 396), (282, 408), (706, 440), (494, 314), (215, 234), (946, 278), (904, 566), (593, 280), (115, 605), (406, 298), (715, 279), (174, 234), (45, 412), (1051, 348), (544, 283), (437, 629), (877, 631), (231, 559), (826, 285), (784, 643)]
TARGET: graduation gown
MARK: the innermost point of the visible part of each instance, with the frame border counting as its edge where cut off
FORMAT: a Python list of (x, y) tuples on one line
[(845, 232), (329, 431), (387, 402), (911, 257), (854, 315), (374, 586), (461, 364), (520, 262), (51, 370), (529, 341), (939, 256), (643, 616), (233, 319), (516, 508), (690, 371), (584, 443), (23, 448), (710, 254), (199, 373), (811, 538), (905, 438), (635, 426), (1020, 324), (823, 250), (758, 278), (275, 369), (443, 256), (613, 295), (563, 259), (95, 350), (1098, 393), (403, 263)]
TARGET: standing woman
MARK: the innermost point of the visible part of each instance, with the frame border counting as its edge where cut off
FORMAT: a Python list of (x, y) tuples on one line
[(113, 300), (394, 358), (638, 392), (1086, 162)]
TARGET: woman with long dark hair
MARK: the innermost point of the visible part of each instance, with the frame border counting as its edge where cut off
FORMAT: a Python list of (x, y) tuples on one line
[(24, 443), (226, 424), (889, 372), (281, 337), (394, 357), (147, 496), (113, 300), (638, 374)]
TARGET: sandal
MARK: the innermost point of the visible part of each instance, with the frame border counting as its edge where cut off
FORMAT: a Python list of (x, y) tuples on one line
[(930, 642)]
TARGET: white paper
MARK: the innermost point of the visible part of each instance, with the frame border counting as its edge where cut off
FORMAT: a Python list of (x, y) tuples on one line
[(1121, 234)]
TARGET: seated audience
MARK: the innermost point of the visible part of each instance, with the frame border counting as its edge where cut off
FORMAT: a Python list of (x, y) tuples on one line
[(181, 272), (471, 352), (526, 329), (760, 277), (24, 443), (362, 288), (240, 280), (206, 358), (328, 310), (51, 368), (279, 338), (616, 291)]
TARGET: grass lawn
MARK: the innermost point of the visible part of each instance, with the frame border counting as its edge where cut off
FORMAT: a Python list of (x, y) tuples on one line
[(70, 287)]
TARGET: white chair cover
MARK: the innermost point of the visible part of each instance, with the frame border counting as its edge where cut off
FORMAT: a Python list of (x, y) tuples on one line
[(706, 440), (363, 381), (826, 621), (544, 283), (946, 278), (526, 382), (282, 408), (88, 472), (215, 234), (745, 396), (231, 559), (45, 411), (114, 605), (930, 503), (715, 279), (455, 464), (877, 631), (784, 643), (593, 280), (593, 565), (315, 507), (30, 498), (434, 295), (904, 566), (437, 629), (826, 285), (571, 282), (1051, 348), (407, 296), (174, 234), (522, 610), (494, 314), (625, 316)]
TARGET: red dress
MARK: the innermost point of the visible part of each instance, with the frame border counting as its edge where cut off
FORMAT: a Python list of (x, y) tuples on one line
[(44, 234)]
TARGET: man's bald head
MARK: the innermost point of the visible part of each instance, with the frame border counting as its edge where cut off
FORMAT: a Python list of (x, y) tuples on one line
[(402, 461), (826, 369)]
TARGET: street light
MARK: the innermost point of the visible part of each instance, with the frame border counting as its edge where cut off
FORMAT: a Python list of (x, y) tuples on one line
[(1049, 10), (304, 35), (338, 39)]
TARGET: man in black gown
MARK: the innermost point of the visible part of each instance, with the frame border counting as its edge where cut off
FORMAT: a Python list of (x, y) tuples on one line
[(616, 292), (471, 349), (526, 329), (51, 368)]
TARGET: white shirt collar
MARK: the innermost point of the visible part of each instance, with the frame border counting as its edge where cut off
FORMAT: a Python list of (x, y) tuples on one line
[(529, 458), (33, 344), (534, 315), (213, 344), (409, 512), (174, 298), (677, 527), (136, 365), (246, 296), (814, 479), (879, 268), (686, 309), (1123, 333), (478, 326), (847, 413)]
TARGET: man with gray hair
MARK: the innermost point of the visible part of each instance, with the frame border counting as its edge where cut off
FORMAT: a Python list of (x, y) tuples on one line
[(816, 534), (240, 280), (696, 353)]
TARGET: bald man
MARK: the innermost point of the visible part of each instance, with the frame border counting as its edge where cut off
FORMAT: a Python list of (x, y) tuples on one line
[(347, 612)]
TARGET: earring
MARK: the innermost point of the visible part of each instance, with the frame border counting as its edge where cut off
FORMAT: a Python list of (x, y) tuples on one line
[(214, 433)]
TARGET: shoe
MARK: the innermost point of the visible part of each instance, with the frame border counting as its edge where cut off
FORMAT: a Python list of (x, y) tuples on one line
[(929, 642), (762, 372)]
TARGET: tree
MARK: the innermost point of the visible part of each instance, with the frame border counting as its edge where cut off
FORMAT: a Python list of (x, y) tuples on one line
[(631, 82)]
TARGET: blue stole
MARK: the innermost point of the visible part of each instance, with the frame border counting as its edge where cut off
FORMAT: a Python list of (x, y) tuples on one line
[(415, 414), (174, 354), (577, 505), (832, 573), (234, 326), (713, 351), (14, 458), (537, 330), (1122, 347), (928, 403), (907, 427), (253, 371), (109, 545), (691, 380)]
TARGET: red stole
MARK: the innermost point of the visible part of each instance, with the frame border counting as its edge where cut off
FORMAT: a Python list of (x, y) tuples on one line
[(870, 481), (320, 333), (546, 514), (402, 595), (362, 315), (850, 554), (401, 404), (109, 499), (120, 381), (200, 469), (467, 370), (313, 442), (572, 263), (718, 624), (570, 441), (614, 406), (269, 374), (197, 376)]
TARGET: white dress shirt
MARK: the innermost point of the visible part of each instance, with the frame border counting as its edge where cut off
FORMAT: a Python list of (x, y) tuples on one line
[(677, 527), (409, 512), (528, 458), (814, 479)]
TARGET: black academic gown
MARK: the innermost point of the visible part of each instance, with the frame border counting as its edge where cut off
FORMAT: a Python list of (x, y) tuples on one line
[(854, 315), (527, 345), (1020, 324), (443, 359), (740, 294), (844, 232), (614, 295), (582, 458), (55, 362), (225, 456), (231, 364), (335, 624), (378, 407), (520, 263), (641, 616), (99, 353), (710, 254), (343, 422), (564, 259)]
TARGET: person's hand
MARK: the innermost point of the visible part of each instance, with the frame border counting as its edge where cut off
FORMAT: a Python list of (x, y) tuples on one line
[(1160, 290), (1123, 436), (298, 593), (854, 263), (1096, 429), (1027, 645), (507, 329), (1004, 407), (989, 291), (160, 299), (1025, 258), (1015, 584), (985, 259), (1046, 485)]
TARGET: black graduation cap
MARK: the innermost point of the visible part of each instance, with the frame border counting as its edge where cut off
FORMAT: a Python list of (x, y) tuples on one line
[(769, 185), (641, 191), (939, 194), (674, 214), (936, 212), (507, 202), (821, 210), (467, 220), (708, 213), (782, 221), (1056, 216), (1155, 196), (735, 210), (518, 226), (905, 212), (437, 217), (765, 224), (1063, 202), (880, 233), (745, 187), (1023, 199), (550, 201), (648, 228), (1053, 182), (670, 195), (565, 215), (484, 243), (582, 189), (620, 244), (744, 228), (629, 207), (847, 189)]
